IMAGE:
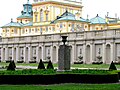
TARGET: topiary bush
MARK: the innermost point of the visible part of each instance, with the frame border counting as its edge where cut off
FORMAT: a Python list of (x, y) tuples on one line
[(41, 65), (112, 66), (50, 65), (11, 66)]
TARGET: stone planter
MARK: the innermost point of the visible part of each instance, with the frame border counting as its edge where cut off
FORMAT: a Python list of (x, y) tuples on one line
[(20, 61), (33, 61)]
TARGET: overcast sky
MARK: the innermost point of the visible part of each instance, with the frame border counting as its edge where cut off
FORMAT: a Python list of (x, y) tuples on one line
[(12, 9)]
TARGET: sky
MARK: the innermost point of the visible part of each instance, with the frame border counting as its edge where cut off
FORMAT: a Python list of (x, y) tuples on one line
[(12, 9)]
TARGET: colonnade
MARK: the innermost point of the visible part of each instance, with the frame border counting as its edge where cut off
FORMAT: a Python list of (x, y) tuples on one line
[(90, 52)]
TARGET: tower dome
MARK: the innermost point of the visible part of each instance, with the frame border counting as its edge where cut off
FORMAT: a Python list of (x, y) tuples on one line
[(97, 20)]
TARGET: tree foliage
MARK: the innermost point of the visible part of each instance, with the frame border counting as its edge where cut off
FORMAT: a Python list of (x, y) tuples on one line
[(11, 66), (112, 66), (41, 65), (50, 65)]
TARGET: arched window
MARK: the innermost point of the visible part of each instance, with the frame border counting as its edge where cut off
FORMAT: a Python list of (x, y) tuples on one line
[(41, 15)]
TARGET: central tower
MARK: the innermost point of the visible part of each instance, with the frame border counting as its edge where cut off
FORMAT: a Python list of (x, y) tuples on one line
[(45, 11)]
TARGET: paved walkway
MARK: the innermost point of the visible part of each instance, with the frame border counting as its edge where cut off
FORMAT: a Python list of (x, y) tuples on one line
[(35, 67)]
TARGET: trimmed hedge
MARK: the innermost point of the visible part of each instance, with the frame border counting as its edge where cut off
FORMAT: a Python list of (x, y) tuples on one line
[(57, 79)]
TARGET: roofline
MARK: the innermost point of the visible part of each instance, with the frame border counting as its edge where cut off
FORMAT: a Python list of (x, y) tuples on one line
[(11, 26), (70, 20), (24, 17), (54, 2), (97, 23)]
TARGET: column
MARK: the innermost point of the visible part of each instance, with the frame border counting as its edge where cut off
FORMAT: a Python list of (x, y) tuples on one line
[(51, 53), (56, 53), (24, 55), (17, 54), (6, 54), (2, 54), (104, 53), (29, 53), (37, 54), (13, 54), (84, 53), (112, 52), (43, 52), (92, 53), (73, 54)]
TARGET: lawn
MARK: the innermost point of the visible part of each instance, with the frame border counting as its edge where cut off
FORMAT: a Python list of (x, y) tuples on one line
[(62, 87)]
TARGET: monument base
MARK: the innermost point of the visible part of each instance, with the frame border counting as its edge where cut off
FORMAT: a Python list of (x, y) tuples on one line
[(64, 58), (63, 70)]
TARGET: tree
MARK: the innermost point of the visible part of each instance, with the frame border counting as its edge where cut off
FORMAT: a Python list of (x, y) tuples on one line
[(50, 65), (112, 66), (41, 65), (11, 66)]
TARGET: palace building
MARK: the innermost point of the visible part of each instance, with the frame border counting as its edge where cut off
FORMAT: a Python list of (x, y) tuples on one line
[(37, 34)]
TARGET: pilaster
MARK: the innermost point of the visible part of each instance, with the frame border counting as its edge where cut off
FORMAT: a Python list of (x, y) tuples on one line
[(25, 56), (37, 54), (84, 53), (104, 53), (29, 53), (51, 53), (112, 52), (73, 53), (13, 54), (92, 53), (43, 52), (6, 53), (17, 53), (2, 54)]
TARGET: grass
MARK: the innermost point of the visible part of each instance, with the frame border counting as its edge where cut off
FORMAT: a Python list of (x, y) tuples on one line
[(62, 87)]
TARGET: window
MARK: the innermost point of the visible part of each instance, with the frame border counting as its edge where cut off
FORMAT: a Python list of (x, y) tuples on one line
[(97, 28), (23, 31), (61, 25), (53, 29), (46, 17), (35, 29), (12, 30), (41, 30), (73, 26), (85, 26), (36, 18), (41, 15), (26, 30), (30, 30), (34, 51), (10, 51), (46, 29), (69, 25), (22, 51), (15, 31)]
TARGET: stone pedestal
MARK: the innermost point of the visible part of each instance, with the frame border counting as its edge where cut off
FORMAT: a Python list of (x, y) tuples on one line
[(64, 58)]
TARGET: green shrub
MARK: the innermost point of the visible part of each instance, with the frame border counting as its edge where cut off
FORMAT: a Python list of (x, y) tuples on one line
[(112, 66), (53, 72), (41, 65), (11, 66), (50, 65)]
